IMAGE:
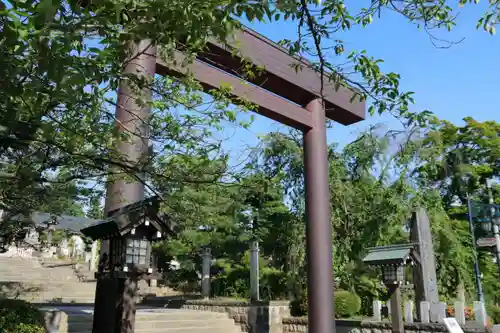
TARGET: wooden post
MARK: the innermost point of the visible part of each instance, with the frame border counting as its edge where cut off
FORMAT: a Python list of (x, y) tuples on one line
[(125, 303), (105, 305), (396, 310), (318, 228)]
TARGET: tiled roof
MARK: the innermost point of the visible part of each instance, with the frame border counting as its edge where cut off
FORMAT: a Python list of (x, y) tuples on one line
[(64, 222), (393, 254)]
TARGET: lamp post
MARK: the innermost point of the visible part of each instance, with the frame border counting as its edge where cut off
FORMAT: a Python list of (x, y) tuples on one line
[(393, 277), (477, 271), (495, 221), (466, 178)]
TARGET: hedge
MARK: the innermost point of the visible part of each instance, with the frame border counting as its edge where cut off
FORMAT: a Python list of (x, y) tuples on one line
[(17, 316), (347, 304)]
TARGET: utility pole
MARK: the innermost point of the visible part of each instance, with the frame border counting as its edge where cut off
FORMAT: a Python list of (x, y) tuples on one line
[(495, 228)]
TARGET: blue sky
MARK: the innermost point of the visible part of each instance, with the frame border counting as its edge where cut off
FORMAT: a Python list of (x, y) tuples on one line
[(453, 83)]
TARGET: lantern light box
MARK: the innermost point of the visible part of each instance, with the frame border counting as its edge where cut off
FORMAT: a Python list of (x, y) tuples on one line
[(392, 259), (131, 231)]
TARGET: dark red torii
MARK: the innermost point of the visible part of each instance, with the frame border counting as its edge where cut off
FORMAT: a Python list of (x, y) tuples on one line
[(283, 94)]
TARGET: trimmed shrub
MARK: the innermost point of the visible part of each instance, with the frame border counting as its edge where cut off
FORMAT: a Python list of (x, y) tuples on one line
[(298, 307), (494, 314), (17, 316), (347, 304)]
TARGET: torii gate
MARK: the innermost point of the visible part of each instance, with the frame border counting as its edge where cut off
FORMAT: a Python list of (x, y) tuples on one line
[(282, 94)]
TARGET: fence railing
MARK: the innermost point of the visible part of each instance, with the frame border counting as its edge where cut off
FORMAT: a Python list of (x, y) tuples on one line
[(435, 312)]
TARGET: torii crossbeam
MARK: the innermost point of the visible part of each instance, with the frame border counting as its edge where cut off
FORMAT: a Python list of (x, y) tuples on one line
[(283, 94)]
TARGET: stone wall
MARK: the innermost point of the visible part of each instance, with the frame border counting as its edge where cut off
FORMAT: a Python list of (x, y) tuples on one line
[(254, 317), (299, 325)]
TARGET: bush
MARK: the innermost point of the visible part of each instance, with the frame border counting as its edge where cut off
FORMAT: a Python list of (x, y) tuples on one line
[(273, 284), (494, 314), (347, 304), (183, 280), (298, 307), (18, 316), (469, 312), (232, 283)]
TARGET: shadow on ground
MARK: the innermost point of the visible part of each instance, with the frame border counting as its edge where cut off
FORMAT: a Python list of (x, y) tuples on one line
[(171, 302), (14, 289), (57, 265)]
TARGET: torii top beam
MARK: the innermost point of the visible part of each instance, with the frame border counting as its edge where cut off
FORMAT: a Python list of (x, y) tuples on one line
[(280, 92)]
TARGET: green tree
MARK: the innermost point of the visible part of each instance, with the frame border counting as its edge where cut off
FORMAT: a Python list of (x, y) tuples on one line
[(373, 193), (95, 210), (457, 160), (60, 60)]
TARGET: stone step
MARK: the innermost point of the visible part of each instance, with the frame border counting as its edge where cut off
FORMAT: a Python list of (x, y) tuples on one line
[(46, 287), (159, 321), (143, 325), (198, 329), (47, 276), (37, 270), (26, 265), (171, 316), (76, 290), (43, 288), (57, 300), (54, 290), (47, 294), (32, 266), (69, 281), (54, 293), (20, 275), (53, 282), (42, 281)]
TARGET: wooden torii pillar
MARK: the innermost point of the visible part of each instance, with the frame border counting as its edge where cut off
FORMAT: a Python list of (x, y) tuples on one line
[(282, 94)]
